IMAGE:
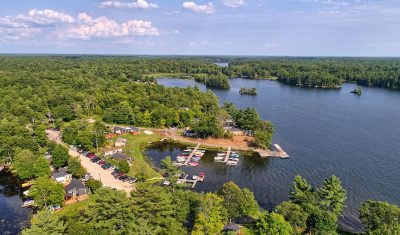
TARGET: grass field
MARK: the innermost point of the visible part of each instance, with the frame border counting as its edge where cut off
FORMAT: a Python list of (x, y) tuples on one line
[(134, 147)]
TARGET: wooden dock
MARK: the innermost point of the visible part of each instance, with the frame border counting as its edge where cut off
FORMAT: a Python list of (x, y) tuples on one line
[(276, 152), (191, 154), (228, 153)]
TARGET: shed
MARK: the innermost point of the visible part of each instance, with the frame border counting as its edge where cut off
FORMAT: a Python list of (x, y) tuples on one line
[(111, 151), (61, 176), (120, 142)]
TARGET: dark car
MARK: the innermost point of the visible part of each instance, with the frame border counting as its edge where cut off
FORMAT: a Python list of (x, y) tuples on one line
[(106, 166), (132, 180), (115, 172), (124, 178), (101, 162), (95, 159)]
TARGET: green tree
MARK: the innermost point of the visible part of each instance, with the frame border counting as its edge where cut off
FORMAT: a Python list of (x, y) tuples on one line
[(272, 224), (41, 167), (332, 195), (46, 193), (295, 215), (93, 185), (110, 212), (380, 218), (238, 202), (44, 223), (147, 119), (123, 166), (75, 167), (168, 165), (301, 191), (59, 156), (211, 216), (24, 164)]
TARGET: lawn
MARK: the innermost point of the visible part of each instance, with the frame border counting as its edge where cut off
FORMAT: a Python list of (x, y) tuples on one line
[(73, 209), (134, 147)]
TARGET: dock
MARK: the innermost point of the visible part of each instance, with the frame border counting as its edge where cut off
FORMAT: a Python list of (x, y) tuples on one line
[(228, 153), (276, 152), (191, 154)]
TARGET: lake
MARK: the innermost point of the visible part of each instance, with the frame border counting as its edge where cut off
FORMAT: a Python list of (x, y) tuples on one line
[(13, 218), (325, 131)]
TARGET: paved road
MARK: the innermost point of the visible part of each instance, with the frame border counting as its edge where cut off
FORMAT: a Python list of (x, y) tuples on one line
[(94, 169)]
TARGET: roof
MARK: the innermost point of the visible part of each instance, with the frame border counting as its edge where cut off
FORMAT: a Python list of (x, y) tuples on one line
[(112, 149), (134, 128), (120, 156), (75, 183), (231, 227), (59, 174)]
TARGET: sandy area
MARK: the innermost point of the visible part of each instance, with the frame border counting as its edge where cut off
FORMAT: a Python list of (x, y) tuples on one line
[(237, 142), (94, 169)]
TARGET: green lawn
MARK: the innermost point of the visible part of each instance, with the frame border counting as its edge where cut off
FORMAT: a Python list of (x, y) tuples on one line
[(73, 209), (134, 147)]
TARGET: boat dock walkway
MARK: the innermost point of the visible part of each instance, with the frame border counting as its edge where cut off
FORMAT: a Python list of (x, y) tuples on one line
[(228, 153), (276, 152), (192, 181), (191, 154)]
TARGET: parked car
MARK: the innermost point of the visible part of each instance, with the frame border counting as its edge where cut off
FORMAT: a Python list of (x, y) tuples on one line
[(116, 171), (123, 178), (117, 176), (106, 166), (112, 168), (86, 177), (132, 180), (95, 159), (91, 155), (101, 162)]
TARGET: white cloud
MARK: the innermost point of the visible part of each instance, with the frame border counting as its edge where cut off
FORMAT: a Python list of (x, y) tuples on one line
[(36, 18), (233, 3), (102, 27), (15, 34), (141, 4), (206, 8)]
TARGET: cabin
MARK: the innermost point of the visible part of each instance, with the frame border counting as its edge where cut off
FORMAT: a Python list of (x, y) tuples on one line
[(75, 189), (61, 176), (121, 156), (133, 130), (119, 130), (120, 142), (231, 227), (111, 151)]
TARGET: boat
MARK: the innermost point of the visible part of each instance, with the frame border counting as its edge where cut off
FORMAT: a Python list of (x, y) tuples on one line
[(28, 203), (178, 164), (26, 193), (221, 154), (196, 159), (219, 158), (167, 182), (231, 163), (201, 176), (234, 159), (193, 164)]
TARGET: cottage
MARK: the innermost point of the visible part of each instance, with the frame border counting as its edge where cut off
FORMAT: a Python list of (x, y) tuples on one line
[(61, 176), (75, 189), (111, 151), (120, 142), (133, 130), (119, 130), (122, 157), (231, 227)]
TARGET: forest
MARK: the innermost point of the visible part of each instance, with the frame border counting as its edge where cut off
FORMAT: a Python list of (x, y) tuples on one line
[(40, 92)]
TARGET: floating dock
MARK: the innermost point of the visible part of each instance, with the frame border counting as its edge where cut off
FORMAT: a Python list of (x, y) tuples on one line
[(191, 155), (228, 153), (276, 152)]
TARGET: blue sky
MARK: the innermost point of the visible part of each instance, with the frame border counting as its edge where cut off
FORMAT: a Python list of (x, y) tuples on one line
[(197, 27)]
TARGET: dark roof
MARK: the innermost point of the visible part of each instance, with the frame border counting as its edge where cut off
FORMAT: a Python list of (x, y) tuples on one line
[(75, 183), (120, 156), (59, 174), (134, 128), (231, 227)]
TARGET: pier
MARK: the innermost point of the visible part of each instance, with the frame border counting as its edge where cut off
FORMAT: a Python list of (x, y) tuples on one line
[(191, 154), (228, 153), (276, 152)]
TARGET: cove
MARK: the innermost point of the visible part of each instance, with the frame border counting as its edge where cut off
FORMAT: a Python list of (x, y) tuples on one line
[(326, 132)]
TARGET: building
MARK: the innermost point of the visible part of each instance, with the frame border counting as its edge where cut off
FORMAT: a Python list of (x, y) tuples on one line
[(120, 142), (111, 151), (75, 189), (61, 176), (119, 130), (121, 156), (133, 130)]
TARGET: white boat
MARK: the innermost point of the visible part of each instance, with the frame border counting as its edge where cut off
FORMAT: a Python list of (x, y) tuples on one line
[(233, 159), (221, 154), (219, 158), (167, 182), (28, 203), (231, 163)]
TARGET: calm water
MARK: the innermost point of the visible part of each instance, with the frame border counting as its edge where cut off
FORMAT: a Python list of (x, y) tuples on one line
[(326, 132), (13, 218)]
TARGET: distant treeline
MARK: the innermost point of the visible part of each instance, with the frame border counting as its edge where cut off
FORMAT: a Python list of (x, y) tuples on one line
[(319, 72)]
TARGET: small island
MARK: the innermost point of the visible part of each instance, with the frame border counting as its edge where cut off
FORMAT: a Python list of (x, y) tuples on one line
[(248, 91), (357, 91)]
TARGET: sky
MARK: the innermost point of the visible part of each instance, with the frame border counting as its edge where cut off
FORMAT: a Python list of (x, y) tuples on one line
[(197, 27)]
